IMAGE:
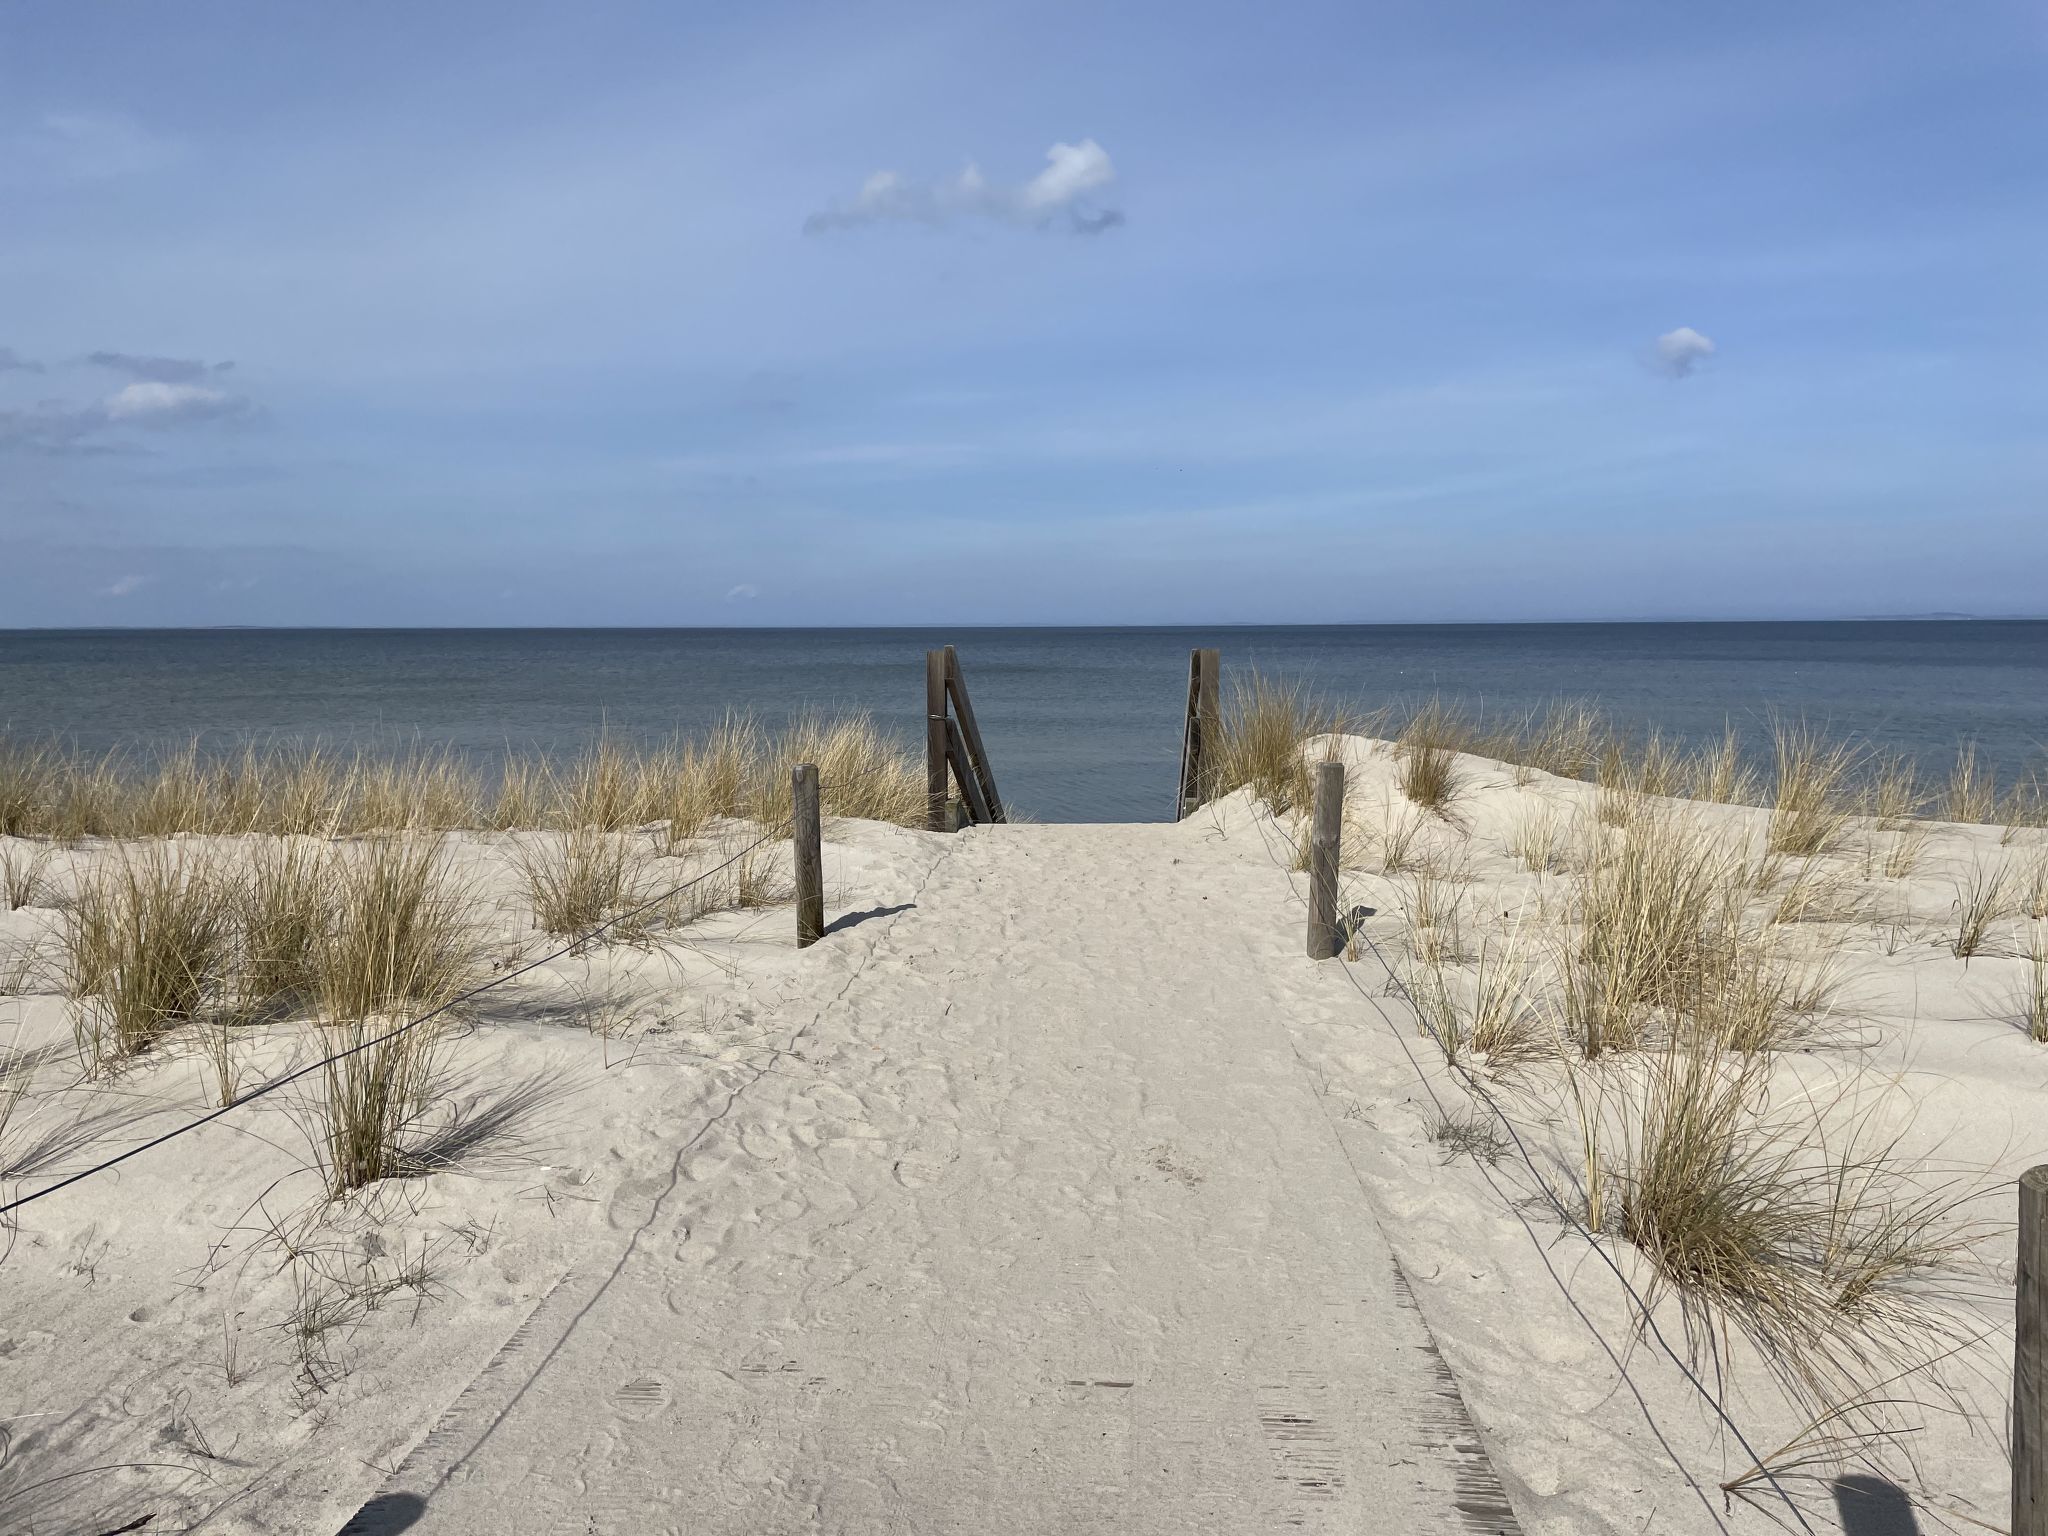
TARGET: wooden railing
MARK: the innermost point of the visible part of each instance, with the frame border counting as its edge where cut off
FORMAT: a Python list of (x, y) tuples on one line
[(953, 742)]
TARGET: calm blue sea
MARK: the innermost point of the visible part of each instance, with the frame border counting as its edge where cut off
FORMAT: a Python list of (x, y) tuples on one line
[(1081, 724)]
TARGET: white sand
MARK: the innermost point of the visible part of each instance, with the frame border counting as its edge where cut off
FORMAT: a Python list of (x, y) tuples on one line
[(1067, 1196)]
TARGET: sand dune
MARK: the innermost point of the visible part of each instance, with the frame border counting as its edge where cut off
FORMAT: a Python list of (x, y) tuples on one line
[(1057, 1191)]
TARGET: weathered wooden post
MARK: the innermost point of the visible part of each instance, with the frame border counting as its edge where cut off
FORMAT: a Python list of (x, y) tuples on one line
[(808, 855), (2030, 1361), (1201, 735), (982, 776), (1326, 832), (1212, 724), (935, 818)]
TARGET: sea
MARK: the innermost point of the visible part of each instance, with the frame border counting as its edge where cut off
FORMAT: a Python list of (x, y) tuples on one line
[(1081, 724)]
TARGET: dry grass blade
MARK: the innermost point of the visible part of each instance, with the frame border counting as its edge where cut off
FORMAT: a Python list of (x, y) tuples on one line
[(1903, 853), (1982, 898), (17, 1066), (1972, 789), (147, 946), (1722, 773), (1399, 841), (1822, 893), (1540, 839), (599, 789), (27, 781), (282, 903), (1506, 1029), (175, 798), (2031, 995), (1266, 731), (1891, 791), (1810, 813), (861, 773), (420, 791), (2034, 888), (1427, 752), (24, 875), (1807, 1229), (399, 943), (1648, 918), (398, 935), (580, 878)]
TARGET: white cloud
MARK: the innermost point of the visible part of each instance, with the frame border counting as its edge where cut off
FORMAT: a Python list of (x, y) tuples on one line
[(1064, 190), (122, 586), (1678, 352), (745, 592), (152, 404)]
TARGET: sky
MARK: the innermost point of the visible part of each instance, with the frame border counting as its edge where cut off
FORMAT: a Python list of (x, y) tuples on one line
[(864, 313)]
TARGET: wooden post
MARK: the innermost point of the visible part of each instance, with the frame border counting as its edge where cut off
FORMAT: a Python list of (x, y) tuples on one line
[(977, 754), (1202, 732), (808, 855), (1325, 937), (935, 742), (970, 786), (1210, 724), (2030, 1361)]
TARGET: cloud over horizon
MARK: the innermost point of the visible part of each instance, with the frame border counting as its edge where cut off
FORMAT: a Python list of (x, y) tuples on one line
[(162, 392), (1063, 192)]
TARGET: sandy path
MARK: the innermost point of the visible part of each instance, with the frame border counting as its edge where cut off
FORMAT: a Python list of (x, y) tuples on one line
[(1038, 1225)]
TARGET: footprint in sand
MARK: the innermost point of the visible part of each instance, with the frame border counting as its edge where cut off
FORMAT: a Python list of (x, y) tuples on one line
[(641, 1398)]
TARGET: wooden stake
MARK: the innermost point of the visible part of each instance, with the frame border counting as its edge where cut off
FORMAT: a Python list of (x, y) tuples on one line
[(1209, 725), (977, 754), (1324, 936), (2030, 1362), (970, 786), (1201, 733), (935, 818), (808, 855)]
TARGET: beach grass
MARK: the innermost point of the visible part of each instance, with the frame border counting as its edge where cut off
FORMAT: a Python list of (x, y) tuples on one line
[(147, 946), (738, 769)]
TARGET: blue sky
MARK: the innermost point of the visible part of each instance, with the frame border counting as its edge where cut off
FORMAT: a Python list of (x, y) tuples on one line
[(865, 313)]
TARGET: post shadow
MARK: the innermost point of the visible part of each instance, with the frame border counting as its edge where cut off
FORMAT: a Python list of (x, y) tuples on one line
[(850, 919), (387, 1515), (1872, 1506)]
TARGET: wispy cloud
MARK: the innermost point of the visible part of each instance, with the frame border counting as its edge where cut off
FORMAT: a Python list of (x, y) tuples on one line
[(163, 392), (156, 370), (81, 146), (124, 586), (167, 405), (1065, 193), (745, 592), (1677, 353), (12, 361)]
